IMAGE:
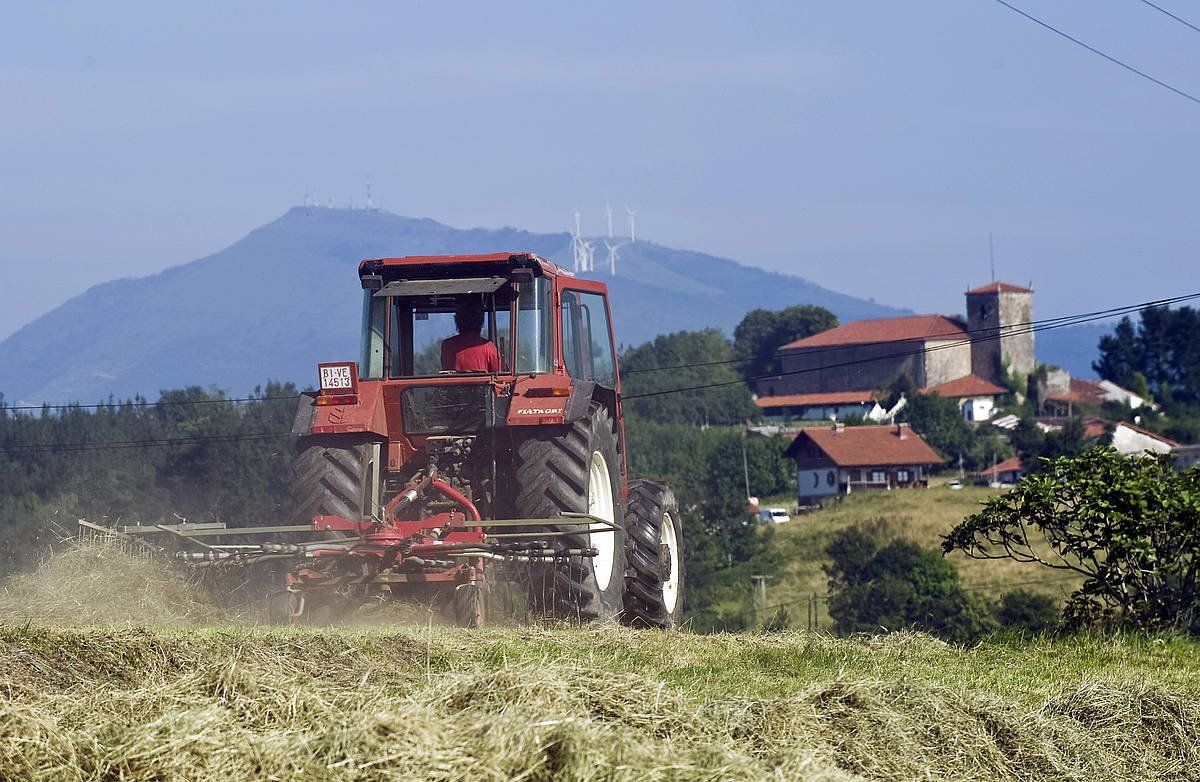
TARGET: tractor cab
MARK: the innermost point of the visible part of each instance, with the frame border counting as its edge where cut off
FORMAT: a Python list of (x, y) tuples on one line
[(407, 320), (548, 334)]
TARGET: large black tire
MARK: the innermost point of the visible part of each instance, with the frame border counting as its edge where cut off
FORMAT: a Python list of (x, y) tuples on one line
[(654, 552), (330, 476), (552, 470)]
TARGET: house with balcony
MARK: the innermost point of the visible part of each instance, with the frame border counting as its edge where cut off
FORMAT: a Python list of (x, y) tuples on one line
[(839, 459)]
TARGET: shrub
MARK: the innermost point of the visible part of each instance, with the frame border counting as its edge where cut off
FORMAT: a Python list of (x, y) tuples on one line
[(899, 585), (1032, 612)]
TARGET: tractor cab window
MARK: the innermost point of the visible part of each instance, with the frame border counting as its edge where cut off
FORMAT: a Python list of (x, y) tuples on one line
[(418, 325), (587, 339), (533, 327), (374, 317)]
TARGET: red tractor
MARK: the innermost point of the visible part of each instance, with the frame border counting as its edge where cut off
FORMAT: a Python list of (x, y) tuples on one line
[(444, 461)]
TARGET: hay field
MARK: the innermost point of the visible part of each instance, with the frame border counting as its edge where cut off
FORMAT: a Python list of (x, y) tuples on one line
[(131, 692)]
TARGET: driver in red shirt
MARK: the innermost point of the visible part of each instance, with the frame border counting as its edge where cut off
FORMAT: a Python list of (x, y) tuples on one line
[(468, 350)]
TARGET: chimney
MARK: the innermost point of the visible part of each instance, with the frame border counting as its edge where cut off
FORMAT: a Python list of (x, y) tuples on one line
[(902, 431)]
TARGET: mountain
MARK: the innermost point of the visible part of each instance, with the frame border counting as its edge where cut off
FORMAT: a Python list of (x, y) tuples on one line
[(286, 296)]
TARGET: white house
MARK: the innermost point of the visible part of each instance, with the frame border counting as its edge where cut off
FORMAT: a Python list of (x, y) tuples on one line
[(976, 396)]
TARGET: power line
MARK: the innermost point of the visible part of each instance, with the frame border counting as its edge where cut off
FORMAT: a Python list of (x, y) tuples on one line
[(1173, 16), (1094, 50), (1094, 315), (133, 403), (1063, 322)]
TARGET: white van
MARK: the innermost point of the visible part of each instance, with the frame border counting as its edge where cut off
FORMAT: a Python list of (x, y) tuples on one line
[(773, 516)]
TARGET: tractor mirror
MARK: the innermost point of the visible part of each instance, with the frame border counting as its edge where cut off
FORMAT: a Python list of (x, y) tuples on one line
[(372, 282)]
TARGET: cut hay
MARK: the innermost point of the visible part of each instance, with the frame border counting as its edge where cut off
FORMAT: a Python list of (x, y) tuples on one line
[(117, 667), (100, 582), (607, 703)]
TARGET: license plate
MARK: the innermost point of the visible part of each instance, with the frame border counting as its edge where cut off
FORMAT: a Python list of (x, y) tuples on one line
[(336, 378)]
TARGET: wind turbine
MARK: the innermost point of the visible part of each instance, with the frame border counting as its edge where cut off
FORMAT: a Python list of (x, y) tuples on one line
[(608, 211), (631, 213), (589, 255), (579, 249), (613, 249)]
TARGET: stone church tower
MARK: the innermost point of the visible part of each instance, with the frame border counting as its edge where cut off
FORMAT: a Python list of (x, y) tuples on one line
[(994, 309)]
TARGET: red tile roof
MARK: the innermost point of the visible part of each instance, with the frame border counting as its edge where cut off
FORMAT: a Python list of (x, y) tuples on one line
[(970, 385), (1088, 392), (867, 332), (802, 400), (869, 446), (1148, 433), (1000, 287), (1011, 464), (1094, 428)]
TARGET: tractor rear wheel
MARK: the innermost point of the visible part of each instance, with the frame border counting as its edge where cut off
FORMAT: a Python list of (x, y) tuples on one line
[(574, 468), (332, 476), (654, 537)]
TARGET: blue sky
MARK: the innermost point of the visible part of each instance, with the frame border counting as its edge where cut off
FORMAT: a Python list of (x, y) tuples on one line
[(868, 146)]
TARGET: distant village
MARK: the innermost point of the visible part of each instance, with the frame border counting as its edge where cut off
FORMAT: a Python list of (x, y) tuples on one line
[(832, 391)]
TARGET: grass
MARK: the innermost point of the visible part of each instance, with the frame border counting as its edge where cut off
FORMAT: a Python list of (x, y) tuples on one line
[(920, 515), (123, 695)]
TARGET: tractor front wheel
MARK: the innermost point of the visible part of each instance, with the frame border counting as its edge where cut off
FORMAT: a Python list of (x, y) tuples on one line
[(654, 590)]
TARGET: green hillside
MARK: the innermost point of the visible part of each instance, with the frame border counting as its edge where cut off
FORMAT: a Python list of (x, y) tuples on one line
[(919, 515)]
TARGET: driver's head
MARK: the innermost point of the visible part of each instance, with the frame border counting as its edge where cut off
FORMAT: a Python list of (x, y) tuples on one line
[(468, 317)]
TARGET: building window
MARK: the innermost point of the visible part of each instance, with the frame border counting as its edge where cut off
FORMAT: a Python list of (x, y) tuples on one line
[(902, 476), (830, 478), (878, 476)]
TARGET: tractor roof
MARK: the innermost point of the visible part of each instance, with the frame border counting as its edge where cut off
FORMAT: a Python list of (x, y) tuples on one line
[(375, 265)]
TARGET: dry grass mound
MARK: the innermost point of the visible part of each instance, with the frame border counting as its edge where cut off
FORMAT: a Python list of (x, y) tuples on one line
[(101, 583), (539, 704)]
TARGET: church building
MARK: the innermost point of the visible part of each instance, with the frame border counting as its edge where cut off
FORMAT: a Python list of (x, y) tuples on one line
[(940, 354)]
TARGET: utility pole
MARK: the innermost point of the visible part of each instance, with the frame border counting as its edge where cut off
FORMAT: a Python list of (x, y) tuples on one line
[(745, 469)]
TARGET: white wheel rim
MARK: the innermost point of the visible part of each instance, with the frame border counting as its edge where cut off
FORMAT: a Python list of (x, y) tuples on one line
[(670, 588), (600, 505)]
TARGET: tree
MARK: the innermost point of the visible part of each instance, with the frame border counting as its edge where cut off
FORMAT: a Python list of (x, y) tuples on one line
[(1129, 527), (897, 586), (1164, 349), (940, 422), (682, 360), (762, 332)]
